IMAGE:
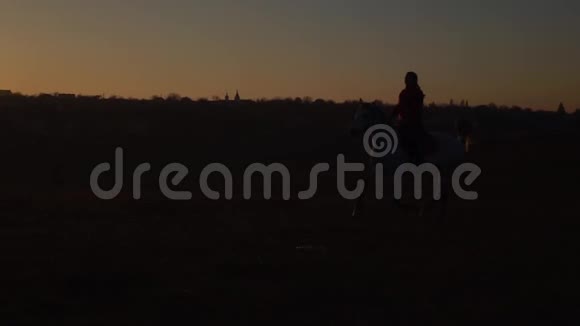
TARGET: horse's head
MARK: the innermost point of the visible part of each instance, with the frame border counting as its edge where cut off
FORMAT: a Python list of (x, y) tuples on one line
[(365, 116)]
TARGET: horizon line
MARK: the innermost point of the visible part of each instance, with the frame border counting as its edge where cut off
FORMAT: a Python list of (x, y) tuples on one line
[(216, 98)]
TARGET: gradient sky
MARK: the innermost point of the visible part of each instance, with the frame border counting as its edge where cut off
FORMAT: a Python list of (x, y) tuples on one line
[(509, 52)]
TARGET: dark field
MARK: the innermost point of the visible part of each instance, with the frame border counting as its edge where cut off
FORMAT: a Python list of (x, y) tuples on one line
[(68, 258)]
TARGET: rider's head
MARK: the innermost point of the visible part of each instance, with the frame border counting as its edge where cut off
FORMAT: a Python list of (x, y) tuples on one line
[(411, 79)]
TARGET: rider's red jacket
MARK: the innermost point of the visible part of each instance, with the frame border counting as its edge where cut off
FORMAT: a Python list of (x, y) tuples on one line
[(411, 107)]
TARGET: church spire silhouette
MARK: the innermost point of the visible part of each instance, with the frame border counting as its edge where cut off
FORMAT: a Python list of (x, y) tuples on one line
[(237, 98)]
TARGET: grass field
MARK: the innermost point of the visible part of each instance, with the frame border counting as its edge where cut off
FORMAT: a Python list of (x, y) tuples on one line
[(68, 258)]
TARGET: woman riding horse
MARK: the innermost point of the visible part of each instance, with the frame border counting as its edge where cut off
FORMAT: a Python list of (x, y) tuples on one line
[(410, 111)]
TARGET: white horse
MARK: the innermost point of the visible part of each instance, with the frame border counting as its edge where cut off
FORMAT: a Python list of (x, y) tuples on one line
[(381, 144)]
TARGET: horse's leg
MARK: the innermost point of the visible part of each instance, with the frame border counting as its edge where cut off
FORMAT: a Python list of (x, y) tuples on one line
[(359, 205), (468, 144), (421, 209), (445, 197)]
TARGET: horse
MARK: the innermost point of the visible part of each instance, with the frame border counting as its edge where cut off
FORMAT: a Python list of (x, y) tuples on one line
[(444, 152)]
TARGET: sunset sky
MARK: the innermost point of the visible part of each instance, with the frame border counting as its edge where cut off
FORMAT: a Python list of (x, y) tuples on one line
[(509, 52)]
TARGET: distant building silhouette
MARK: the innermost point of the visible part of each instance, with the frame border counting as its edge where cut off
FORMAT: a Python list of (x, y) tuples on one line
[(5, 92), (65, 96), (227, 97), (91, 97), (561, 109), (173, 97), (237, 98)]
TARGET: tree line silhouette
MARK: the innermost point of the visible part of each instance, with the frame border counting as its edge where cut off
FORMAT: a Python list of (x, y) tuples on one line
[(491, 115)]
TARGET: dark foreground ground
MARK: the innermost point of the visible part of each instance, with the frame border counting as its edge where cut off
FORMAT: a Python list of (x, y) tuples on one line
[(67, 258)]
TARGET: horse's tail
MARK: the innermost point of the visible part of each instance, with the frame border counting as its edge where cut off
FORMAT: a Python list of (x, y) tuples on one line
[(464, 129), (465, 141)]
